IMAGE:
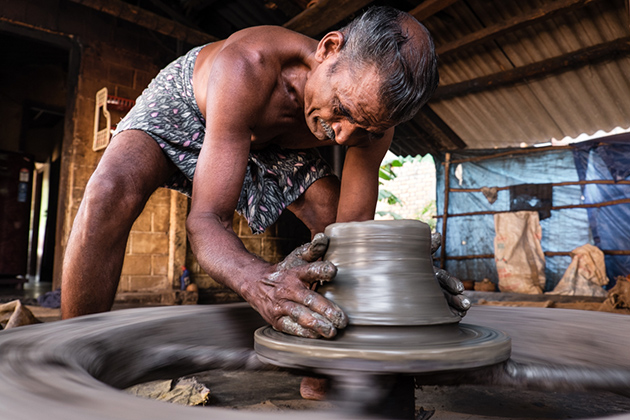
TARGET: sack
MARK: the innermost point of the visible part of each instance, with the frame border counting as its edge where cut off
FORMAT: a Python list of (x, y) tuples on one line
[(586, 274), (518, 255), (14, 314)]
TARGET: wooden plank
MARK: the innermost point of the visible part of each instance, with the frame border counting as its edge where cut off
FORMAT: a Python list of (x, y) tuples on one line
[(447, 188), (430, 7), (323, 15), (491, 32), (562, 63), (148, 20), (573, 206), (547, 254), (553, 184)]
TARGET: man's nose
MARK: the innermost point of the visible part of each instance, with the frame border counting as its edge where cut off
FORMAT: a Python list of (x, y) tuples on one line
[(343, 131)]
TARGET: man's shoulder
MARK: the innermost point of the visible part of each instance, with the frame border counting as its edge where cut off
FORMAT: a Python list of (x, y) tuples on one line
[(271, 42), (266, 33)]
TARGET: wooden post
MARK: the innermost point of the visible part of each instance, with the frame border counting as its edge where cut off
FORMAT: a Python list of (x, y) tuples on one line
[(447, 169)]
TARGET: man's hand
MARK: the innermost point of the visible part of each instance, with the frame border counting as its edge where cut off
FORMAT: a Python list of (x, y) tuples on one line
[(285, 299), (452, 287)]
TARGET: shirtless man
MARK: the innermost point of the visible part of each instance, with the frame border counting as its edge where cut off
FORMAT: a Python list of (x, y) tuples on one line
[(233, 112)]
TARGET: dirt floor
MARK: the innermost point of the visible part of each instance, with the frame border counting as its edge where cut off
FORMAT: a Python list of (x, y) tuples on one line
[(279, 390)]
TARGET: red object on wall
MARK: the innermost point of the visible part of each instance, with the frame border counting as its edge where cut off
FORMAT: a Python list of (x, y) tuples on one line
[(16, 181)]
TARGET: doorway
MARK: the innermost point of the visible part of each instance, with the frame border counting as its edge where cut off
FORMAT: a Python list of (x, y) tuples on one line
[(34, 90)]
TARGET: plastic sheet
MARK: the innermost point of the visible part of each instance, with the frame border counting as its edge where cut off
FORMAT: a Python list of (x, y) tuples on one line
[(564, 231), (607, 159)]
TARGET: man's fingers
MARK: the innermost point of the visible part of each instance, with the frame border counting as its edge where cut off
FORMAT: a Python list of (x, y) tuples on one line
[(304, 322), (316, 248), (294, 259), (448, 282), (436, 241), (322, 306), (318, 271), (459, 303), (306, 253), (289, 326)]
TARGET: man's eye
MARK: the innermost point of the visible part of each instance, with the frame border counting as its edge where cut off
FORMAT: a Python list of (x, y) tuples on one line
[(344, 112)]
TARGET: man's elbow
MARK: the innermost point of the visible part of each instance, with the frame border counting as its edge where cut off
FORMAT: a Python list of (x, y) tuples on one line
[(198, 224)]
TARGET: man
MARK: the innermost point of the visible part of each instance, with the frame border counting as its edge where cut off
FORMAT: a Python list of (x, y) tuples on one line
[(237, 120)]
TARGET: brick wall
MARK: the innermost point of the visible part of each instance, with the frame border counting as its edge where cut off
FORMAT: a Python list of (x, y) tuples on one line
[(125, 74), (414, 185), (105, 52)]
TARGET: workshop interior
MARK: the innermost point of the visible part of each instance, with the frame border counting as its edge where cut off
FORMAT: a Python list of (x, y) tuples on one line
[(520, 161)]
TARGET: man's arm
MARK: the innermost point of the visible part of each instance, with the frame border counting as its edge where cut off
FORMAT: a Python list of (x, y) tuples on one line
[(359, 181), (359, 193), (280, 293)]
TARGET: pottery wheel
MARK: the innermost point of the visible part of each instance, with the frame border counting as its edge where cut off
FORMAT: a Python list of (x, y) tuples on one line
[(379, 350), (399, 319)]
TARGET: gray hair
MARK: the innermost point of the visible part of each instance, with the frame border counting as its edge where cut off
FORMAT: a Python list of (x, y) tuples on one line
[(408, 71)]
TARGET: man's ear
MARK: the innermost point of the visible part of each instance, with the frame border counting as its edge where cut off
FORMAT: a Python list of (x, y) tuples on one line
[(330, 45)]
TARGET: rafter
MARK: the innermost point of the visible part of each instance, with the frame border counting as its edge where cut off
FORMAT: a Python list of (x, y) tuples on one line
[(148, 20), (491, 32), (323, 15), (437, 128), (542, 68), (430, 7)]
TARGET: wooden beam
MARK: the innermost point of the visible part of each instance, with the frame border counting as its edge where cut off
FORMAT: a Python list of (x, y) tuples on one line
[(148, 20), (491, 32), (547, 254), (174, 14), (430, 7), (559, 64), (323, 15), (573, 206), (447, 188), (425, 134), (439, 130)]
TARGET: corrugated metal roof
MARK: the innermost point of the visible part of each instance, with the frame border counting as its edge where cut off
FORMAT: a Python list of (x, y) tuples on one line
[(590, 98), (565, 103)]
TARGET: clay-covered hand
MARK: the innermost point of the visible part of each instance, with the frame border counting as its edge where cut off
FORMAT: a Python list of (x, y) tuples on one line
[(285, 299), (452, 287)]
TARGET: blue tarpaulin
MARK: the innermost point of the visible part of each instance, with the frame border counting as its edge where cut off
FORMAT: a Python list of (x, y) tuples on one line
[(608, 160), (563, 230)]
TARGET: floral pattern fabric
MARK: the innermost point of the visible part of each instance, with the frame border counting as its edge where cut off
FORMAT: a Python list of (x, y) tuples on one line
[(168, 112)]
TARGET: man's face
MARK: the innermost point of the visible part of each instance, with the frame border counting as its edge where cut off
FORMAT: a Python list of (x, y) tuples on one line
[(343, 105)]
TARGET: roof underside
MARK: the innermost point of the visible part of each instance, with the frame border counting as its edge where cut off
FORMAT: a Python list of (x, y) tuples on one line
[(511, 71)]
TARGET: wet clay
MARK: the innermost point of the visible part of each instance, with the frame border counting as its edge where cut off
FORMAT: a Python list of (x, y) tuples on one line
[(399, 319), (385, 274)]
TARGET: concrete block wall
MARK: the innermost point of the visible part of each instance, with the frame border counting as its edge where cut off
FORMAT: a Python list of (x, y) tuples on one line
[(414, 185), (147, 256), (146, 261)]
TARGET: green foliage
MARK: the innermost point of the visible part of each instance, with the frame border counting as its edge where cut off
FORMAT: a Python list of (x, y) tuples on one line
[(386, 195), (394, 216), (386, 173), (426, 215)]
